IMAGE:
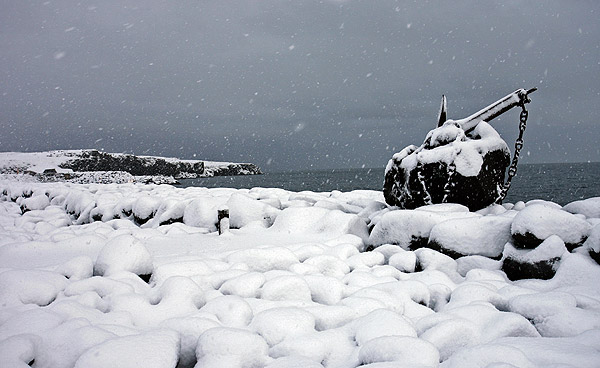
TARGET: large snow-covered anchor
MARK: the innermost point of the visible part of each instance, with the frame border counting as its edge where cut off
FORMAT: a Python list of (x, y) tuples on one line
[(461, 161)]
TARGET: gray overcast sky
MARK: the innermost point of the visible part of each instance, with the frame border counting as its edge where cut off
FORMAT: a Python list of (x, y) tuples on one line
[(293, 84)]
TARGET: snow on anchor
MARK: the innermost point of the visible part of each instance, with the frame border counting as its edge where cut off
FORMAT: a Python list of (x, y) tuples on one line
[(461, 161)]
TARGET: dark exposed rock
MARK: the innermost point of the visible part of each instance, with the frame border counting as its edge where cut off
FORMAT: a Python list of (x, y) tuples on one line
[(516, 270), (93, 160), (171, 221), (540, 263), (526, 240), (233, 169), (449, 252), (595, 256)]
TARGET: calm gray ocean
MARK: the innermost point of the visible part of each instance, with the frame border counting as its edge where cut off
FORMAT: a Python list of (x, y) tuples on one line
[(560, 183)]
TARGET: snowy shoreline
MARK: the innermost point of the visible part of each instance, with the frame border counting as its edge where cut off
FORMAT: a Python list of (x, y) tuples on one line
[(96, 275)]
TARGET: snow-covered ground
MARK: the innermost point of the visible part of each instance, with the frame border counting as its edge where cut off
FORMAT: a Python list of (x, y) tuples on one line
[(127, 275)]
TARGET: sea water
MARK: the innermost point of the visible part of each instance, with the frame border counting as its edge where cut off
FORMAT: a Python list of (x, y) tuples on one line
[(560, 183)]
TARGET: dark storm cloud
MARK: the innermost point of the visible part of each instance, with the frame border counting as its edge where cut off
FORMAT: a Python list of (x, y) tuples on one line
[(292, 84)]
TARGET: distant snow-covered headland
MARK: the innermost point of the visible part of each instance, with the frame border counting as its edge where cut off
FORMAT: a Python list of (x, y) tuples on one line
[(93, 166)]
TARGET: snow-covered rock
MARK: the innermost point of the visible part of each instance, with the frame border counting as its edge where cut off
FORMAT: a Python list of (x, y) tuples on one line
[(538, 221), (541, 262), (485, 236), (124, 253), (301, 293)]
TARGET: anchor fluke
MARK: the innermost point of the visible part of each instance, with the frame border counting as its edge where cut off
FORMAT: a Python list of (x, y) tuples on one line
[(443, 115)]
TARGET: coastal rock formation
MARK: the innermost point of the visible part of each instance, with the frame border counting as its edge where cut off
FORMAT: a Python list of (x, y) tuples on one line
[(93, 166), (93, 160)]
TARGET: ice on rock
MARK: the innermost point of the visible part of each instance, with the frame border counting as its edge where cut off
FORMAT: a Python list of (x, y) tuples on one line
[(485, 236), (124, 253), (229, 347), (538, 221), (277, 324), (402, 349), (158, 349)]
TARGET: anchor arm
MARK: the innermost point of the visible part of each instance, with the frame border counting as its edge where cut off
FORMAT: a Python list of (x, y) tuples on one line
[(517, 98)]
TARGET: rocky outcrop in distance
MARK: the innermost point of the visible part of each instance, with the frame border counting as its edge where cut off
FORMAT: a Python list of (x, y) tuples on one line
[(93, 166)]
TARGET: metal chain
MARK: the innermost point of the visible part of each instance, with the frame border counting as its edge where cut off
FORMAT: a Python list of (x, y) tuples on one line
[(512, 170), (449, 184)]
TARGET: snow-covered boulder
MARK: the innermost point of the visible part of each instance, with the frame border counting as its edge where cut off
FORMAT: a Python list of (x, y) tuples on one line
[(409, 229), (145, 208), (592, 244), (295, 220), (485, 236), (541, 262), (123, 253), (202, 212), (36, 202), (538, 221), (590, 207), (244, 210)]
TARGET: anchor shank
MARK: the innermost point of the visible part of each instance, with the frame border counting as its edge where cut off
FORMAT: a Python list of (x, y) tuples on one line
[(517, 98)]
